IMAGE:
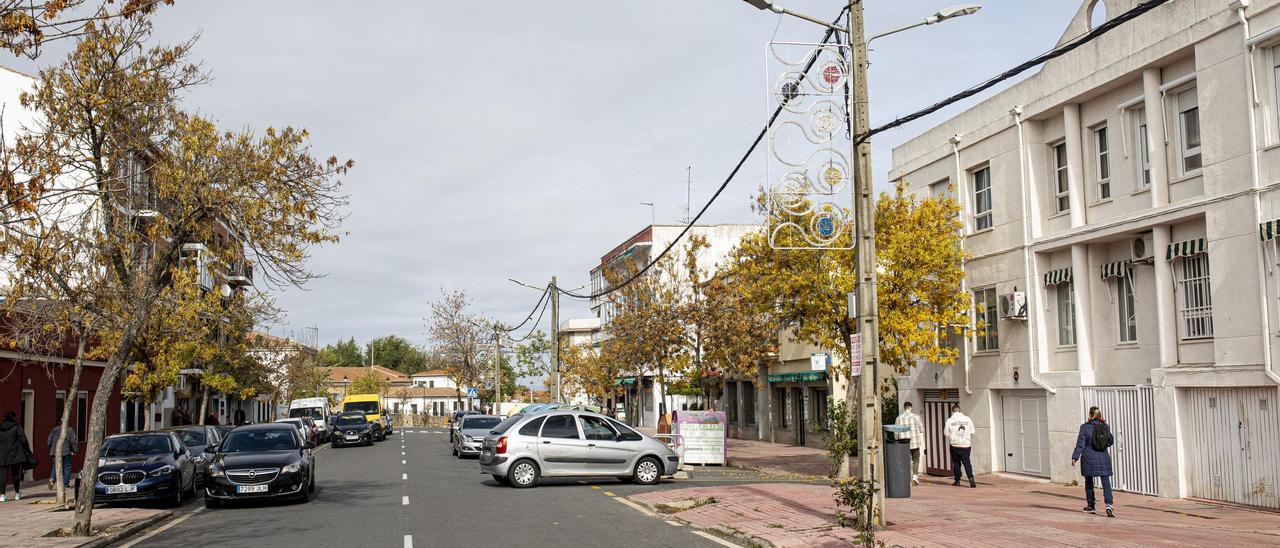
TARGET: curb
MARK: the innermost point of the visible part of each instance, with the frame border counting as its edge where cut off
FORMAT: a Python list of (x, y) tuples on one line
[(128, 531), (727, 533)]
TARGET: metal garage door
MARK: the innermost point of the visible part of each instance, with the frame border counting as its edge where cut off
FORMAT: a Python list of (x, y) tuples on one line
[(1233, 445), (1026, 435), (1130, 412), (937, 407)]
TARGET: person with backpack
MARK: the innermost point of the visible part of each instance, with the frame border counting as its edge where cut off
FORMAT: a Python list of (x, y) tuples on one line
[(959, 434), (1095, 462)]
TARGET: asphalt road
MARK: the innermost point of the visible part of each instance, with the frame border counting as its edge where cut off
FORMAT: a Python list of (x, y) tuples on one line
[(409, 491)]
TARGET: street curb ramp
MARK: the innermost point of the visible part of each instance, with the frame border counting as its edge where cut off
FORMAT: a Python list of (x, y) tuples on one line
[(727, 533), (133, 528)]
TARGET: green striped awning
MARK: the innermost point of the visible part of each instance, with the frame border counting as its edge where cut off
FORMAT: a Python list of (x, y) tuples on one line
[(1055, 277), (803, 376), (1189, 248), (625, 380), (1269, 230), (1118, 269)]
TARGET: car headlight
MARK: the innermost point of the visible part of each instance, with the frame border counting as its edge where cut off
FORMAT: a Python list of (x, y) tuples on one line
[(292, 468), (162, 471), (215, 472), (468, 439)]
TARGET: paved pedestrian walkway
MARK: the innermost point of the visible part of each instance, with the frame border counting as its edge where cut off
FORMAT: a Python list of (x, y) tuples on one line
[(1000, 512), (33, 521)]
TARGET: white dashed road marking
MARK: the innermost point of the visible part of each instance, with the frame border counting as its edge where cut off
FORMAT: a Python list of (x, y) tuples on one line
[(404, 501), (404, 462), (404, 477), (408, 541)]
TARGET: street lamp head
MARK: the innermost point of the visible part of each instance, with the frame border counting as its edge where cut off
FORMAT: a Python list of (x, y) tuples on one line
[(761, 4), (955, 11)]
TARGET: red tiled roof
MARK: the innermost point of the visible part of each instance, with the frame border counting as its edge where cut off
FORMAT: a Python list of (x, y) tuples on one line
[(431, 373), (336, 374)]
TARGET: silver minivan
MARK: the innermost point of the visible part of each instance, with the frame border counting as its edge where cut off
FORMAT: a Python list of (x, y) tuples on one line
[(559, 443)]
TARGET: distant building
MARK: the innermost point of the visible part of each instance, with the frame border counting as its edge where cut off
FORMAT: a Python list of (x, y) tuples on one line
[(426, 392), (643, 397)]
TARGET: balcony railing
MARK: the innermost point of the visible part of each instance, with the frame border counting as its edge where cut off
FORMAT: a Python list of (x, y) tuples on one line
[(240, 274)]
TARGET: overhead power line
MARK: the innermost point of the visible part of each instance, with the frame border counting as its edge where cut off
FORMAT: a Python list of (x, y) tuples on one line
[(534, 327), (751, 149), (546, 291), (979, 88), (1035, 61)]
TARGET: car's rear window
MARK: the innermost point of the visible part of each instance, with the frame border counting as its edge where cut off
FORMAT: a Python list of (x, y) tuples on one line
[(190, 438), (476, 423), (351, 421), (502, 427)]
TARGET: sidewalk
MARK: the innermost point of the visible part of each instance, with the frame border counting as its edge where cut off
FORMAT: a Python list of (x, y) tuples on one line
[(30, 522), (1002, 511)]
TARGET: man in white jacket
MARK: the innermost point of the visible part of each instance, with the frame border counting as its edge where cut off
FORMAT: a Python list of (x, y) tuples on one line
[(915, 433), (959, 434)]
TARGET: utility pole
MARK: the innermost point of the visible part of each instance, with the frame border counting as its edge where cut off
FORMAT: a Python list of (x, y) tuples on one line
[(555, 337), (497, 369), (867, 323)]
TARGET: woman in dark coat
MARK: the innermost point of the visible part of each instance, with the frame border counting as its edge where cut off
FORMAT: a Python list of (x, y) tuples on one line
[(13, 455), (1094, 463)]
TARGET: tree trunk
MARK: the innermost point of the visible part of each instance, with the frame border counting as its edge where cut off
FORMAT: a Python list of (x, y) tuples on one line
[(204, 403), (72, 392), (149, 423), (93, 447)]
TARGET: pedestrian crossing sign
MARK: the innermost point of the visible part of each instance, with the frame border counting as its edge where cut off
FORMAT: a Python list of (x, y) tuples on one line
[(473, 393)]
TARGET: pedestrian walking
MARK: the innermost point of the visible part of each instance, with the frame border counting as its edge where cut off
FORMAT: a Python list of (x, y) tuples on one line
[(68, 451), (240, 419), (15, 452), (211, 419), (1095, 462), (959, 434), (915, 433)]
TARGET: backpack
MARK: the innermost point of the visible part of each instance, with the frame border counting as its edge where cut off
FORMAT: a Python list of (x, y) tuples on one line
[(1101, 437)]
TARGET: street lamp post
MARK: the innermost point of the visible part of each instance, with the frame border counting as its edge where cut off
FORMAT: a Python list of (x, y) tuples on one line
[(867, 320)]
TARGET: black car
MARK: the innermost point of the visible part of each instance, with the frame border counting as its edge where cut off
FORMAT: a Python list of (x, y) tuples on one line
[(260, 461), (352, 429), (196, 438), (144, 466)]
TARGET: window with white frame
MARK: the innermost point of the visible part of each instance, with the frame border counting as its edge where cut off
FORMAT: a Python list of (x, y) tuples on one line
[(1144, 152), (1189, 130), (1196, 301), (981, 198), (987, 334), (1125, 314), (1066, 314), (1061, 185), (1102, 157)]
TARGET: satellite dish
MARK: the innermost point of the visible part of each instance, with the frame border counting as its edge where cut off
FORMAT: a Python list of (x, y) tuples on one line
[(226, 290)]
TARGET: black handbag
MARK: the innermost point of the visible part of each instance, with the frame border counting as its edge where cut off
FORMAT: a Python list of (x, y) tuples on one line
[(32, 461)]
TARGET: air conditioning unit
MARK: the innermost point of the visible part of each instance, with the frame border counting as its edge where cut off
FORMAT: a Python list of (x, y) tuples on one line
[(1013, 306), (1141, 248)]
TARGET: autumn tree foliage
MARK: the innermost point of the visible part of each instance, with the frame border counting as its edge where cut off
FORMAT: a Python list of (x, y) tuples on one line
[(650, 332), (25, 25), (461, 341), (119, 178), (369, 382)]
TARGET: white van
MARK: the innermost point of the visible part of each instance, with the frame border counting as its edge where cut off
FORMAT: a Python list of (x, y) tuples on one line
[(318, 410)]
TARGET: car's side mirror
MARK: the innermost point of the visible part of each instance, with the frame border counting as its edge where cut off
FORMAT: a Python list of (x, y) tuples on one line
[(210, 449), (309, 445)]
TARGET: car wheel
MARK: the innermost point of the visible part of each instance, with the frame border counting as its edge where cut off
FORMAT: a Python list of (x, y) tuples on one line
[(523, 474), (333, 445), (501, 479), (368, 442), (648, 471), (304, 496), (311, 487), (455, 450), (212, 503), (176, 500)]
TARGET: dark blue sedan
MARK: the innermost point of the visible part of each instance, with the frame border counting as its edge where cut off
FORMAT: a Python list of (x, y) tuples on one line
[(144, 466)]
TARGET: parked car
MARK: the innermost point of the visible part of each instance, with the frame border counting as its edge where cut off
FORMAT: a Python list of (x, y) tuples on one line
[(303, 429), (352, 429), (224, 428), (471, 432), (143, 466), (196, 438), (260, 461), (560, 443), (313, 429), (453, 422), (371, 406), (318, 410)]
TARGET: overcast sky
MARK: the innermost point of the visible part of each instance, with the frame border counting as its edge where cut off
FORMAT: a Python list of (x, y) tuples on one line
[(516, 139)]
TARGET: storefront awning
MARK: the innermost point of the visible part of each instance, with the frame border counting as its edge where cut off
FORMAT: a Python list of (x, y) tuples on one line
[(1118, 269), (1055, 277), (1269, 230), (803, 376), (626, 380), (1189, 248)]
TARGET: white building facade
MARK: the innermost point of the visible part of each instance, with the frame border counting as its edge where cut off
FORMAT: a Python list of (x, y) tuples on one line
[(1127, 194)]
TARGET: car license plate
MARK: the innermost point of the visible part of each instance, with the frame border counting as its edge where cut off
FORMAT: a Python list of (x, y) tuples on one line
[(251, 489), (116, 489), (352, 438)]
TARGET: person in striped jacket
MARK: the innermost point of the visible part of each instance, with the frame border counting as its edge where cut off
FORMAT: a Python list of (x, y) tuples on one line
[(915, 433)]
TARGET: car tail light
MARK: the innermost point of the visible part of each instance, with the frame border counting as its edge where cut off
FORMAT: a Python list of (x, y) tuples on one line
[(502, 445)]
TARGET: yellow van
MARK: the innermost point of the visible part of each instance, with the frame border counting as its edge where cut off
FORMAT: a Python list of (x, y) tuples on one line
[(369, 404)]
